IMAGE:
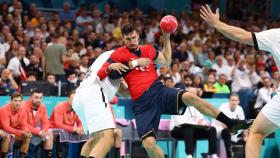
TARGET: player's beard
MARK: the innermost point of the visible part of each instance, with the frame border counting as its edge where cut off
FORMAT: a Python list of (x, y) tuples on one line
[(134, 47)]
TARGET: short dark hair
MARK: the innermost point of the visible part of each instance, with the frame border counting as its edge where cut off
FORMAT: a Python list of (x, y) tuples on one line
[(50, 74), (168, 78), (127, 29), (36, 90), (234, 95), (16, 95), (54, 35), (70, 93), (32, 73)]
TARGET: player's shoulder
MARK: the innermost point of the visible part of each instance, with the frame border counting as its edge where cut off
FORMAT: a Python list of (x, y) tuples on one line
[(120, 49), (148, 47), (270, 33)]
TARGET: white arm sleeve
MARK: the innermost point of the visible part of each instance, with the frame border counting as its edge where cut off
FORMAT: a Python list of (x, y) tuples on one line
[(266, 40)]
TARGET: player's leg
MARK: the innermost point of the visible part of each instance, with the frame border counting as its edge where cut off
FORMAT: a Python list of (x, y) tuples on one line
[(259, 130), (207, 109), (24, 145), (118, 142), (153, 150), (5, 143), (87, 147), (105, 141), (48, 145)]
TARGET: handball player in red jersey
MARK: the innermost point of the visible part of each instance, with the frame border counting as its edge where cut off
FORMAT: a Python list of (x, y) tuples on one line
[(150, 97)]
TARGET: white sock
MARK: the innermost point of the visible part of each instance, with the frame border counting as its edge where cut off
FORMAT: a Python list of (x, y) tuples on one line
[(189, 156)]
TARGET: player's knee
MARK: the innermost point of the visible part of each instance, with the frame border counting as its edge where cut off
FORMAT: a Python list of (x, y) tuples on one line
[(7, 138), (187, 97), (149, 143), (26, 140), (256, 134)]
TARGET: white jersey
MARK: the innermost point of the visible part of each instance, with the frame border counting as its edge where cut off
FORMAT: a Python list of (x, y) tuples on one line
[(92, 83), (91, 100), (269, 40)]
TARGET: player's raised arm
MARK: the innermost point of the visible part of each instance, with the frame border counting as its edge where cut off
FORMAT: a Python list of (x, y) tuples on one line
[(231, 32), (164, 57)]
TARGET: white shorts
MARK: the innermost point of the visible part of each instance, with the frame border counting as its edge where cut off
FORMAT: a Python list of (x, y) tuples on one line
[(92, 112), (272, 110)]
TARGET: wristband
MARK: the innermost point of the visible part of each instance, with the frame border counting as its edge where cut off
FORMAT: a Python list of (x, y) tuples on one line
[(134, 63)]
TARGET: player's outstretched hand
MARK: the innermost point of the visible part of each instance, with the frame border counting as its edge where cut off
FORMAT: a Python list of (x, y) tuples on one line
[(208, 16), (143, 62), (121, 68)]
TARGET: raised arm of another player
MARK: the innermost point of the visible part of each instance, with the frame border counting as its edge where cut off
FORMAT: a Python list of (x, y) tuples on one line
[(164, 57), (118, 70), (231, 32), (115, 68)]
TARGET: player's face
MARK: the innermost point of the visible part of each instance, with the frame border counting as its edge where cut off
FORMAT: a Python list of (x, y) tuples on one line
[(16, 103), (36, 99), (234, 101), (131, 40)]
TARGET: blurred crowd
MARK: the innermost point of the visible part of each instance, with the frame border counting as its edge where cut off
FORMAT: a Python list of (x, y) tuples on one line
[(61, 47)]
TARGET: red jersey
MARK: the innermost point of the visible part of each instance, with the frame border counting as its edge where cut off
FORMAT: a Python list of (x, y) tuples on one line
[(13, 122), (36, 121), (140, 78), (63, 118)]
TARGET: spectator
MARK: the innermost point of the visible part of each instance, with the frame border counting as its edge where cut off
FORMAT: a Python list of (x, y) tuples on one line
[(168, 81), (51, 78), (220, 85), (84, 63), (275, 79), (174, 71), (31, 77), (52, 83), (7, 83), (190, 127), (264, 95), (242, 77), (38, 123), (197, 83), (234, 111), (13, 51), (230, 66), (203, 56), (209, 85), (72, 81), (54, 57), (67, 15), (181, 53), (185, 83), (18, 64), (220, 67), (35, 66), (104, 26), (14, 121), (83, 20)]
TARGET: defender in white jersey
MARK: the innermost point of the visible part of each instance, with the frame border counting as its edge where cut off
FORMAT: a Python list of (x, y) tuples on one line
[(268, 120), (91, 103)]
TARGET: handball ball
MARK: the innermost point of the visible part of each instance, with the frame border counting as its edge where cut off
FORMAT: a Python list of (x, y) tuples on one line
[(168, 24)]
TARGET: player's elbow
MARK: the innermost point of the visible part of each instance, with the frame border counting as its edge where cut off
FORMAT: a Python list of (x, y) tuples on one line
[(246, 38)]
